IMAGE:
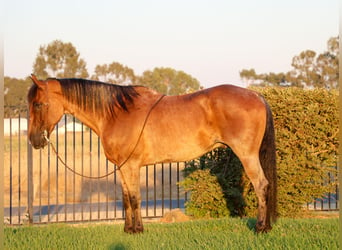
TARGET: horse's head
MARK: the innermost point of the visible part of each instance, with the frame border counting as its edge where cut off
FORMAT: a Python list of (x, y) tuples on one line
[(46, 109)]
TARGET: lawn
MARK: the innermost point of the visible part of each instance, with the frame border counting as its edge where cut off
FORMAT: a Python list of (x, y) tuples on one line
[(227, 233)]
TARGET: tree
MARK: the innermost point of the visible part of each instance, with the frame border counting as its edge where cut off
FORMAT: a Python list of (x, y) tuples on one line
[(305, 68), (274, 78), (248, 76), (251, 78), (169, 81), (114, 73), (59, 59), (327, 64), (15, 91), (318, 71), (309, 70)]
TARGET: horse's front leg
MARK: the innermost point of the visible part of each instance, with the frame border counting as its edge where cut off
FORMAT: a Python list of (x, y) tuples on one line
[(128, 210), (130, 179), (136, 210)]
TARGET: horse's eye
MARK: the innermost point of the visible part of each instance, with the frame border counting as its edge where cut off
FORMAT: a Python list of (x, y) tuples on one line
[(37, 106)]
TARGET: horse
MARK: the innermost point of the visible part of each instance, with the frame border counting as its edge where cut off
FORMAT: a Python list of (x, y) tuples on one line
[(139, 126)]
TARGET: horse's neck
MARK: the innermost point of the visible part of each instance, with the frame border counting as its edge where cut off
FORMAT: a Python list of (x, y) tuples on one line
[(89, 119)]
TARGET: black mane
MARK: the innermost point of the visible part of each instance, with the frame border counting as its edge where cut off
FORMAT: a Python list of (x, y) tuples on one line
[(97, 97)]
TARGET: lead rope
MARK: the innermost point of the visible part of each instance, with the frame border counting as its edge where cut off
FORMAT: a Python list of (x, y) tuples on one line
[(118, 167)]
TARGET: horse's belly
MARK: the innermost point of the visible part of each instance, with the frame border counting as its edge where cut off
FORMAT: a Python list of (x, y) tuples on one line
[(180, 150)]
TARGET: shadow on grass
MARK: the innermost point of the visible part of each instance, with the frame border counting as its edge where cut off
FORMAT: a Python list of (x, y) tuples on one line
[(117, 246), (251, 223)]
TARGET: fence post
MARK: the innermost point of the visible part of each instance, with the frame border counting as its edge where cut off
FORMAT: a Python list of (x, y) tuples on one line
[(29, 178)]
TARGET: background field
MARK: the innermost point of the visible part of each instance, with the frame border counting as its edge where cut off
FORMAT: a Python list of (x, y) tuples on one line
[(226, 233)]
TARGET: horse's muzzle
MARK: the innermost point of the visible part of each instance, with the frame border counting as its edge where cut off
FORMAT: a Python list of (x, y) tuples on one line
[(39, 140)]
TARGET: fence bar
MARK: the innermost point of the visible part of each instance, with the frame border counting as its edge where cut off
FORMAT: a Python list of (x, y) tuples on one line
[(49, 169), (107, 198), (146, 186), (163, 184), (91, 172), (329, 194), (19, 174), (98, 174), (57, 174), (65, 171), (155, 189), (11, 172), (170, 184), (74, 166), (337, 189), (82, 165), (114, 191), (178, 202), (40, 184)]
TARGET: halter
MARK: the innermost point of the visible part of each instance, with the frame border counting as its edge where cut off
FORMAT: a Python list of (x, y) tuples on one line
[(45, 133)]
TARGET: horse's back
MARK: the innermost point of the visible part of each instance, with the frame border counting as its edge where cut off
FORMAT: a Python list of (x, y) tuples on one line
[(231, 95)]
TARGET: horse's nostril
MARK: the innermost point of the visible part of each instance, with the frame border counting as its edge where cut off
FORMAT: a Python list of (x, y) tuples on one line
[(37, 140)]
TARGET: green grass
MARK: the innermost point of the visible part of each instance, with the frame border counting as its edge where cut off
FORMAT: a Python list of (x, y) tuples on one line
[(228, 233)]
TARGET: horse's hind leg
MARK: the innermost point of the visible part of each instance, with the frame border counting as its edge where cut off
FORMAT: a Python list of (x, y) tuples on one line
[(256, 175), (130, 179)]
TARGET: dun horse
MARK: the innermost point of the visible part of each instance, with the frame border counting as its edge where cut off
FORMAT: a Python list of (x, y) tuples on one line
[(138, 126)]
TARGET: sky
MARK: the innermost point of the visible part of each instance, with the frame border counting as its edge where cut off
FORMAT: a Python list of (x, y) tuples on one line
[(211, 40)]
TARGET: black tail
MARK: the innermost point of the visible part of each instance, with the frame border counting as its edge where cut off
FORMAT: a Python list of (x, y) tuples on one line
[(267, 155)]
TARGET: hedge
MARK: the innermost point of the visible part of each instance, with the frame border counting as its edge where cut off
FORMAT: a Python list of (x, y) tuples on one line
[(306, 126)]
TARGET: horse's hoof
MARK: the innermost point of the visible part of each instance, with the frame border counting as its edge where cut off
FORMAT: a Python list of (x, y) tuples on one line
[(263, 228), (136, 230), (129, 230), (139, 229)]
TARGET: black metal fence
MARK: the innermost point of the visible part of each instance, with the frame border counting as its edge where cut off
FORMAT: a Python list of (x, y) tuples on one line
[(330, 201), (39, 189)]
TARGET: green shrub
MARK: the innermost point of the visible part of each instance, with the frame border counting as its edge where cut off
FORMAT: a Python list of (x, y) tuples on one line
[(207, 199), (228, 170), (306, 126)]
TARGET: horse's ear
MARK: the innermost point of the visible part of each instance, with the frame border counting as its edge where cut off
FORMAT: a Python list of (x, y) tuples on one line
[(40, 84)]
